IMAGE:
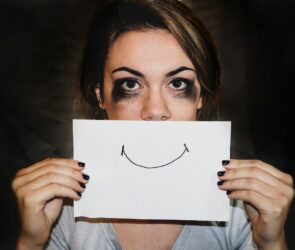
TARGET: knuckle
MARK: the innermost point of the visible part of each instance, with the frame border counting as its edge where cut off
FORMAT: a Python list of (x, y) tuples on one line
[(74, 173), (256, 162), (51, 177), (252, 162), (18, 192), (14, 185), (50, 160), (20, 172), (229, 174), (74, 184), (290, 180), (277, 210)]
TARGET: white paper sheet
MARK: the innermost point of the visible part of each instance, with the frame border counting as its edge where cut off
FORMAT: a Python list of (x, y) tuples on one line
[(152, 170)]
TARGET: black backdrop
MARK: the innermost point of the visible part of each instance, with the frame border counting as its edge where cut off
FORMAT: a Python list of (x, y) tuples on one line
[(41, 44)]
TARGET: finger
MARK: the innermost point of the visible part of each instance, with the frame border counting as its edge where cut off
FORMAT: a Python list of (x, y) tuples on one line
[(53, 178), (263, 166), (252, 172), (58, 169), (252, 185), (38, 198), (263, 204), (57, 161)]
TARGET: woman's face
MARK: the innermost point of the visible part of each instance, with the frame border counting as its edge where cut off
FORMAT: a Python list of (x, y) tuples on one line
[(148, 76)]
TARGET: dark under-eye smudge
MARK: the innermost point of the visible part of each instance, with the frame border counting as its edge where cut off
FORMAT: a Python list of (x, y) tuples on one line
[(119, 93), (189, 92)]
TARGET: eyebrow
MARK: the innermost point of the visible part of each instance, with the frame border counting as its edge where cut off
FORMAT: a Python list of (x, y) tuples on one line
[(131, 71), (180, 69), (139, 74)]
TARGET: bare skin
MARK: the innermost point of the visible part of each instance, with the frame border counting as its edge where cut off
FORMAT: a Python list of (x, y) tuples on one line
[(267, 193), (151, 81), (40, 190), (147, 235)]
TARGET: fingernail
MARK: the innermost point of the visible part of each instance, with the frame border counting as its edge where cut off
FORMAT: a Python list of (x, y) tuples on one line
[(82, 185), (86, 177), (79, 193), (219, 183), (228, 192), (220, 173), (225, 162), (81, 164)]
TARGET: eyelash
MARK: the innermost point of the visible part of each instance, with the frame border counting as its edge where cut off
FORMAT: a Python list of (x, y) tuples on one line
[(121, 82), (188, 83), (120, 91), (124, 81)]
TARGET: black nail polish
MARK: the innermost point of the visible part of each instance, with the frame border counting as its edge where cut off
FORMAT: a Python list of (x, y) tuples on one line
[(225, 162), (81, 164), (82, 185), (86, 177), (228, 192), (219, 183), (79, 193), (220, 173)]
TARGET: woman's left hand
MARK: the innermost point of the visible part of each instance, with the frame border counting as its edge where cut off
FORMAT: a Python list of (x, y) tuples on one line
[(267, 193)]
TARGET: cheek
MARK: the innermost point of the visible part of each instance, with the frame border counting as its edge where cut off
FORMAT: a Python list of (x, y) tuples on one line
[(119, 108), (123, 110), (183, 112), (181, 108)]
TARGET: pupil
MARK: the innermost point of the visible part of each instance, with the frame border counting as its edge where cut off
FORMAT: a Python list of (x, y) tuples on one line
[(177, 84), (130, 84)]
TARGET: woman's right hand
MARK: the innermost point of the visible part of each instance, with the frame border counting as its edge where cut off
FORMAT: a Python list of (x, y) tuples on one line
[(40, 190)]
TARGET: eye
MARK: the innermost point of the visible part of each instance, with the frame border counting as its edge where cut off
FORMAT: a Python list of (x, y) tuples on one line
[(130, 84), (178, 84)]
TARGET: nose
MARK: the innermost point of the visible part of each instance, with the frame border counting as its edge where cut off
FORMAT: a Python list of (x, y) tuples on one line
[(155, 108)]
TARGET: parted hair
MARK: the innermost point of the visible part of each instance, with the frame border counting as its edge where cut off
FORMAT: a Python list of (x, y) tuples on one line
[(119, 16)]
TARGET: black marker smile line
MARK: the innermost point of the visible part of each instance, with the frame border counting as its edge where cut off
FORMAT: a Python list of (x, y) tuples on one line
[(160, 166)]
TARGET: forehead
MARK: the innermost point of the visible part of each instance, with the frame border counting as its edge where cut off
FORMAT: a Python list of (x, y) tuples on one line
[(149, 49)]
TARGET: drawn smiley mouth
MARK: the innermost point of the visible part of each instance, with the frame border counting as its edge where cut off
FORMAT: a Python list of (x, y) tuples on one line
[(123, 153)]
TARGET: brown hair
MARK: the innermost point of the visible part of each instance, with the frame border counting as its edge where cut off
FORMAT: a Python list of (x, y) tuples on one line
[(119, 16)]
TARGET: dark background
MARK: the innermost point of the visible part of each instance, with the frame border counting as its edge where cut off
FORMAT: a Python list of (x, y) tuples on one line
[(41, 44)]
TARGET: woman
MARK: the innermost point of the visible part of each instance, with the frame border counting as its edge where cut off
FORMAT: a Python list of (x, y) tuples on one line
[(151, 60)]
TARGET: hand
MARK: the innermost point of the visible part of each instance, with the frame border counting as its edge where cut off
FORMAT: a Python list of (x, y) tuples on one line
[(40, 190), (267, 193)]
